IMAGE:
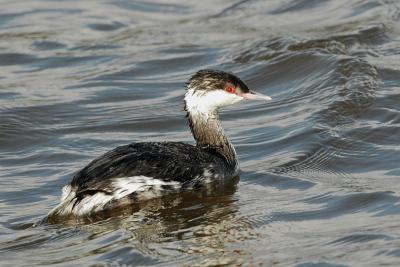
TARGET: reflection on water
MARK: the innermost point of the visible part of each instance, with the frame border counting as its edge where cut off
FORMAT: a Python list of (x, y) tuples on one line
[(319, 182)]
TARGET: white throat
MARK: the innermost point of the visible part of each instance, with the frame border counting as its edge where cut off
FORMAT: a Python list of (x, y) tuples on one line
[(202, 108)]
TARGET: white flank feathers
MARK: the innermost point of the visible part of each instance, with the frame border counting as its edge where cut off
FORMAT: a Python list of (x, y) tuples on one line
[(145, 187), (128, 185)]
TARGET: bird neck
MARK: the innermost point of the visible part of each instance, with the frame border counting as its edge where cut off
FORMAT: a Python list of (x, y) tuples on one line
[(208, 133)]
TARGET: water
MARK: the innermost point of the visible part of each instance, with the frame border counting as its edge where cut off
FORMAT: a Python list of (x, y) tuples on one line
[(320, 163)]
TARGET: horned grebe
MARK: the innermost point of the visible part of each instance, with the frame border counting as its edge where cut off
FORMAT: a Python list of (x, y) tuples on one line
[(140, 171)]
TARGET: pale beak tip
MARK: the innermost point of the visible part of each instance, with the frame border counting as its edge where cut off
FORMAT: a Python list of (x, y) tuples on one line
[(256, 96)]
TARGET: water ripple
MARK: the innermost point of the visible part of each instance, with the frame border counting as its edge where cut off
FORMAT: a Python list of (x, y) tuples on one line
[(319, 181)]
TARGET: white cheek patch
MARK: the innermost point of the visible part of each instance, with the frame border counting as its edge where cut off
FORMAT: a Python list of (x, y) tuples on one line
[(209, 101)]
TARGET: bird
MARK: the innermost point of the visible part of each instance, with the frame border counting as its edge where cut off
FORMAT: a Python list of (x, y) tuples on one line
[(145, 170)]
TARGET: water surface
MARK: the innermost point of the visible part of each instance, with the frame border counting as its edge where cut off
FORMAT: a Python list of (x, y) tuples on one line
[(320, 163)]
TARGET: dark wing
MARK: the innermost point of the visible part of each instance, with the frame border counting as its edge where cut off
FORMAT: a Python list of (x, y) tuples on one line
[(169, 161)]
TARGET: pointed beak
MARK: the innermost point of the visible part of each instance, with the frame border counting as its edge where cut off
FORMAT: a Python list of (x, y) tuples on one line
[(255, 96)]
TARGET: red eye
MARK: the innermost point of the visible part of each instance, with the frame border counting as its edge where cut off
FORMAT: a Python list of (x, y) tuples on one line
[(229, 89)]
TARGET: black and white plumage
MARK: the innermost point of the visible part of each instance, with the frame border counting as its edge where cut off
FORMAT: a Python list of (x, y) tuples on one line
[(140, 171)]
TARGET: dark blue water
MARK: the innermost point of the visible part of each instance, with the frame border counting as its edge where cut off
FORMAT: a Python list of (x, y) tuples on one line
[(320, 163)]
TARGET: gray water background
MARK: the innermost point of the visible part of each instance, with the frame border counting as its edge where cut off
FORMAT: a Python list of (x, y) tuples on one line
[(320, 163)]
